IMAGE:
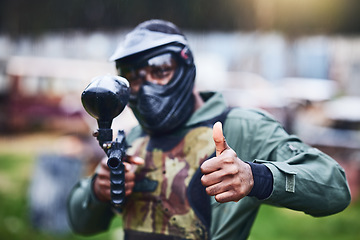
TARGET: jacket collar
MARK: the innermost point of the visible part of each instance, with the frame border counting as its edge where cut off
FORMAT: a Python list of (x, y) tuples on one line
[(214, 105)]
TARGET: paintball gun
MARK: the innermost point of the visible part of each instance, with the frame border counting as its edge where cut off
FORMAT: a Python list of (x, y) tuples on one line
[(104, 99)]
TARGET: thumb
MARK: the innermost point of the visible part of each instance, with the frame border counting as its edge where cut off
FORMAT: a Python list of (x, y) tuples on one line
[(219, 139)]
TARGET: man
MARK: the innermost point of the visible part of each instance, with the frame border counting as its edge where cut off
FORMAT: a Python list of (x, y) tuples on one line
[(183, 179)]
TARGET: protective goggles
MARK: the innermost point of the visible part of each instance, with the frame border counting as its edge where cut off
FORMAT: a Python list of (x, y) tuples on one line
[(158, 69)]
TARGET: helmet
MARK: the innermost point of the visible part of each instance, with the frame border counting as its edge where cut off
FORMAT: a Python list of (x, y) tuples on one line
[(159, 108)]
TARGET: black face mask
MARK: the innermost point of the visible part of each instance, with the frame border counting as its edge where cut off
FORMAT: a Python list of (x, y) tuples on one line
[(161, 109)]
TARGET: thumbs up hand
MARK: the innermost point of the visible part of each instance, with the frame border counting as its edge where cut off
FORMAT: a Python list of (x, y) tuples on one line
[(226, 176)]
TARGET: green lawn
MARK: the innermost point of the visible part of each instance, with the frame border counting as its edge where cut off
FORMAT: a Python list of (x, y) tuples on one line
[(272, 223), (278, 223)]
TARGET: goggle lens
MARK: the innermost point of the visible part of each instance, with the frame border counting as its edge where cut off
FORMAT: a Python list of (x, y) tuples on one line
[(158, 69)]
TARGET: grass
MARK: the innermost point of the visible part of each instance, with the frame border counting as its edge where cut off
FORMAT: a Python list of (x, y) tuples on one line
[(15, 175), (16, 170), (278, 223)]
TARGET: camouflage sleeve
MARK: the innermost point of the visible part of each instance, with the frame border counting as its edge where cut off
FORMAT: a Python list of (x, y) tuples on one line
[(87, 215)]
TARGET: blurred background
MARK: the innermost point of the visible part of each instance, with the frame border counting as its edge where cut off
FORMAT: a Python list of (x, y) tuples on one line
[(299, 60)]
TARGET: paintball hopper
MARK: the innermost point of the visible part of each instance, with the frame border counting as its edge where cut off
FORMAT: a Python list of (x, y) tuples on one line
[(105, 98)]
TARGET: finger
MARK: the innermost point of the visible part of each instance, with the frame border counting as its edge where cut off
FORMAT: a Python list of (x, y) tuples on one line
[(211, 178), (127, 167), (103, 183), (129, 188), (135, 160), (103, 162), (215, 189), (129, 176), (103, 173), (129, 182), (227, 196), (102, 189), (129, 185), (106, 194), (219, 139), (210, 165)]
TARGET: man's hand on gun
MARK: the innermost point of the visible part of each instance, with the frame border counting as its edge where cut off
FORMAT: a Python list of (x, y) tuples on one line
[(101, 185)]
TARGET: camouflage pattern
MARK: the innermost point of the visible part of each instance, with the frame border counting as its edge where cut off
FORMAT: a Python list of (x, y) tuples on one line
[(254, 137), (159, 203)]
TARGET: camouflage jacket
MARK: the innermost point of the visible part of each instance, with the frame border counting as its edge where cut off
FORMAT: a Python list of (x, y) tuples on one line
[(161, 207)]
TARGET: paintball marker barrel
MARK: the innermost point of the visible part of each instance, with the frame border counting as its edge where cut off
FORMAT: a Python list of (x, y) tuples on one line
[(116, 166)]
